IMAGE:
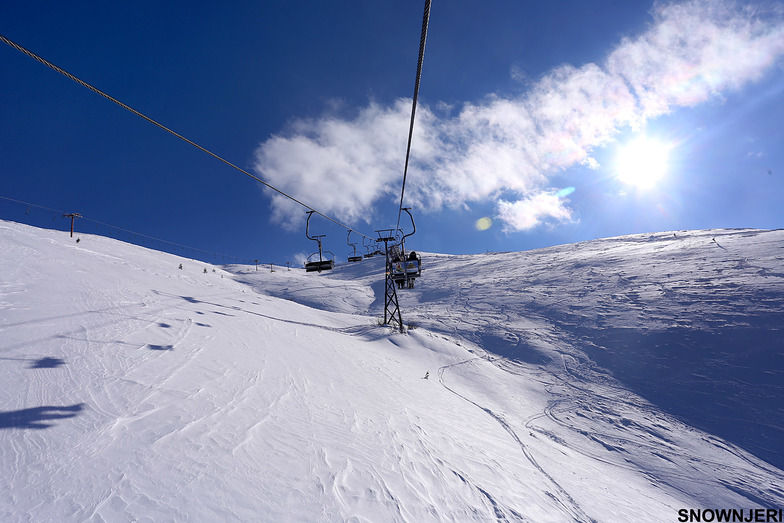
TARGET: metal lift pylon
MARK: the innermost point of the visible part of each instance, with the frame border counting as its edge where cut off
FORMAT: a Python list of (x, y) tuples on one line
[(391, 307)]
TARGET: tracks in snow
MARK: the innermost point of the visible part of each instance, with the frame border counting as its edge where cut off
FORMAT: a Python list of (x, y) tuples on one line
[(564, 501)]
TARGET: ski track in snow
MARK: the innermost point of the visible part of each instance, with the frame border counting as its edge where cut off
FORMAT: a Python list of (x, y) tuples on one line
[(569, 507), (139, 391)]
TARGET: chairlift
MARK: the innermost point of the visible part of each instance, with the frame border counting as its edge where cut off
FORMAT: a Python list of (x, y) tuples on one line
[(371, 250), (322, 264), (355, 257), (405, 268)]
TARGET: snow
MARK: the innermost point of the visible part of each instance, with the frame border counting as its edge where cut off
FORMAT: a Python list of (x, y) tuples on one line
[(615, 380)]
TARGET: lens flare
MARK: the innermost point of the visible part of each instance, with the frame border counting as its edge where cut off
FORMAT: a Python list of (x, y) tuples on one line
[(482, 224), (566, 191)]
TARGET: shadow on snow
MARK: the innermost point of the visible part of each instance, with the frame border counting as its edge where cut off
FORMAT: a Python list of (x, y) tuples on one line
[(37, 417), (727, 381)]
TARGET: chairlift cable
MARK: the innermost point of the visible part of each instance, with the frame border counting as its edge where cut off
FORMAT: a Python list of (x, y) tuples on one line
[(118, 228), (32, 205), (423, 37), (140, 115)]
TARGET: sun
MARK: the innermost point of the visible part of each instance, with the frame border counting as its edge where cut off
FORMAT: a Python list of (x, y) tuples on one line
[(642, 162)]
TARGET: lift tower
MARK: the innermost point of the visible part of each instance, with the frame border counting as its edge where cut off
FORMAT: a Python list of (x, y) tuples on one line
[(391, 307)]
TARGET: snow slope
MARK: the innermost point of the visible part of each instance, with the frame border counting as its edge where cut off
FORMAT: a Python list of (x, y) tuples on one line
[(612, 380)]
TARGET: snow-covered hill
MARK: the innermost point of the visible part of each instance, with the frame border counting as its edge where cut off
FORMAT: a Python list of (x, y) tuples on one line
[(615, 380)]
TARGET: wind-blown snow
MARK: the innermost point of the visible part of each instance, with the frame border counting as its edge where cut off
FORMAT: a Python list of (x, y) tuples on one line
[(614, 380)]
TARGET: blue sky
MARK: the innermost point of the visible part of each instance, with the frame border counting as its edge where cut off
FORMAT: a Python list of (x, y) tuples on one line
[(525, 112)]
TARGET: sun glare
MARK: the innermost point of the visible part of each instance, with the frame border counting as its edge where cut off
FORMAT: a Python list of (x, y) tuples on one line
[(642, 162)]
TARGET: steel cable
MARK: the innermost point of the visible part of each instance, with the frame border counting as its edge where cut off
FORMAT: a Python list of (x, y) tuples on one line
[(423, 37), (140, 115)]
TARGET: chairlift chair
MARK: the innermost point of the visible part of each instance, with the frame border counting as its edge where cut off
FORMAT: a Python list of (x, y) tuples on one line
[(406, 268), (369, 252), (322, 264), (355, 257)]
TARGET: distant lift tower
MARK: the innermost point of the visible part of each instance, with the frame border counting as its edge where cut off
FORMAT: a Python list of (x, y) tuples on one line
[(391, 307), (72, 216)]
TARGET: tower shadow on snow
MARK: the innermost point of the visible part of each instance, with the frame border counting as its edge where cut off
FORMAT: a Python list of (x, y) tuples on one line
[(37, 417)]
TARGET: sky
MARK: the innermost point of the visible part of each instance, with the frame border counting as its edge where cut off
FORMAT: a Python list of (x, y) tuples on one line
[(537, 124)]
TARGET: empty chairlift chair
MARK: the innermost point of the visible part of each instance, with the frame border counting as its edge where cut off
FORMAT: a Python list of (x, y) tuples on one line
[(370, 250), (323, 263), (353, 257)]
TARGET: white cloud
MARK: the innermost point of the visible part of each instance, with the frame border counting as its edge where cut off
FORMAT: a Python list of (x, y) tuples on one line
[(532, 211), (339, 166), (696, 50), (299, 259), (692, 52)]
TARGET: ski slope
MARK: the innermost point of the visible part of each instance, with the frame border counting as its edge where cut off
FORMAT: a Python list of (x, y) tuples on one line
[(614, 380)]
